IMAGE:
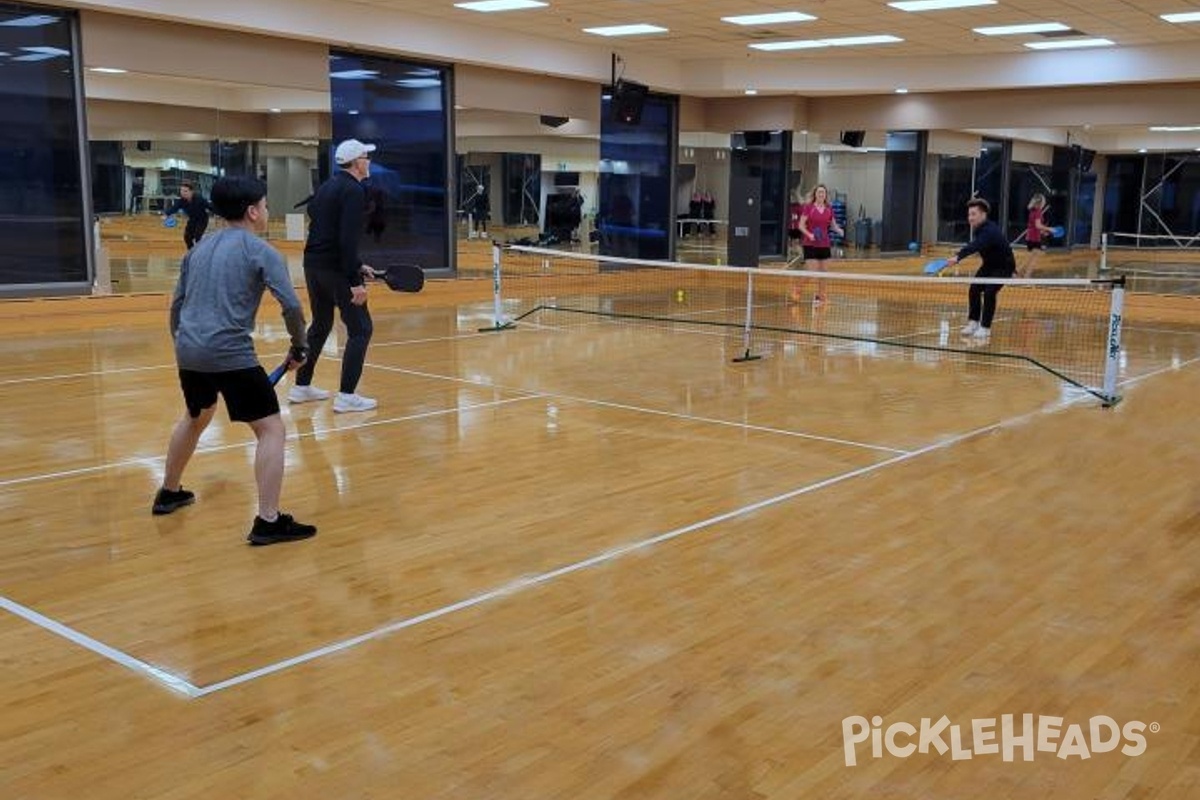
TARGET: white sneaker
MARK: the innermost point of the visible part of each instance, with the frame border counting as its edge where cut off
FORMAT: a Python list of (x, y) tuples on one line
[(970, 328), (982, 334), (352, 402), (305, 394)]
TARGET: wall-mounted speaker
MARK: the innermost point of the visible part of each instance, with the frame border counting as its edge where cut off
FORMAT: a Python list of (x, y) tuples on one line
[(627, 102), (756, 138), (853, 138)]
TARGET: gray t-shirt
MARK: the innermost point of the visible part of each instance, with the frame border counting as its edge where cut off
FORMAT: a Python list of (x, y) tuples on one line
[(221, 283)]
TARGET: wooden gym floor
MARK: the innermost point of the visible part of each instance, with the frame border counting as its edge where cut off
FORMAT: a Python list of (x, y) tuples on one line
[(594, 562)]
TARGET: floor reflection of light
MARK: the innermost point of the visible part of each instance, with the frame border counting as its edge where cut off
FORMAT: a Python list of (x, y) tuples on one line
[(210, 437)]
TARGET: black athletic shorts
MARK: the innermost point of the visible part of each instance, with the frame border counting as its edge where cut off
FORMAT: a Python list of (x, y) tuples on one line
[(816, 253), (1031, 246), (249, 395)]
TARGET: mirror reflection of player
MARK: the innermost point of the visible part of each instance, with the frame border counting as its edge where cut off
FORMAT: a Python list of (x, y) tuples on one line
[(375, 212), (481, 210), (620, 231), (196, 208)]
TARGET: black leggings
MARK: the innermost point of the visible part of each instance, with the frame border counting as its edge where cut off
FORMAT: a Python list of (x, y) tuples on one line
[(328, 289)]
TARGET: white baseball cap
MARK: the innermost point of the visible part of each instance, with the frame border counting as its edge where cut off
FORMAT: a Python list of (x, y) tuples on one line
[(351, 149)]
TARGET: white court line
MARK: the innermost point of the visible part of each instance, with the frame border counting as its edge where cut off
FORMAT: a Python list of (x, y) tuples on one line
[(404, 342), (152, 460), (521, 584), (173, 682), (270, 356), (742, 425), (1162, 371), (644, 410), (1172, 331), (93, 373)]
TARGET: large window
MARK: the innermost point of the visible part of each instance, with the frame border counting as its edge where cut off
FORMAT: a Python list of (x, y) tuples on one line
[(990, 174), (43, 212), (904, 171), (1025, 181), (400, 107), (637, 192), (1172, 197), (1123, 194), (955, 187)]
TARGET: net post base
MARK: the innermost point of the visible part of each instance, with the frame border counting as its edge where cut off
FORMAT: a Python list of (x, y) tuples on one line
[(747, 356), (507, 326)]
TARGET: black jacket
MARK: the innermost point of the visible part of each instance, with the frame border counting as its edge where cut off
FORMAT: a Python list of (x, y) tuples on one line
[(994, 249), (197, 208), (336, 213)]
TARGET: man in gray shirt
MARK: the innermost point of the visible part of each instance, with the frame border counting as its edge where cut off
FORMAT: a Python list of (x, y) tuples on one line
[(221, 284)]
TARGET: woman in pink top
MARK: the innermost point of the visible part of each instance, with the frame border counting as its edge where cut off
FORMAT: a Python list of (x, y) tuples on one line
[(816, 222), (1034, 234)]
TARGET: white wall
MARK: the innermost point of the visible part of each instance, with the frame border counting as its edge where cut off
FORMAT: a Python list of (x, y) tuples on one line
[(857, 175), (712, 175)]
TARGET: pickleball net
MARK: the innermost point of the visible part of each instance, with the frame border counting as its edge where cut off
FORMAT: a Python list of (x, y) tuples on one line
[(1068, 327), (1159, 264)]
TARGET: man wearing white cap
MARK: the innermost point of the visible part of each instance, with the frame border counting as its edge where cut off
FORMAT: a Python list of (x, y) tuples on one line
[(335, 275)]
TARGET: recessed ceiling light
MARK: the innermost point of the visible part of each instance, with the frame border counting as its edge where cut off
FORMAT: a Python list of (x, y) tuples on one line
[(769, 19), (1069, 44), (1142, 150), (752, 91), (851, 41), (1175, 128), (419, 83), (34, 21), (42, 53), (625, 30), (354, 74), (108, 70), (276, 110), (938, 5), (500, 5), (1032, 27), (1189, 16), (902, 90), (811, 44)]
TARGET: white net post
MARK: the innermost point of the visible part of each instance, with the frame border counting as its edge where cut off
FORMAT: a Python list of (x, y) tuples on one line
[(1112, 363), (1104, 252), (499, 323), (749, 323)]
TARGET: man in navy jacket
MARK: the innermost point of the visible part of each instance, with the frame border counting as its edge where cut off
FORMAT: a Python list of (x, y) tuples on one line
[(998, 262)]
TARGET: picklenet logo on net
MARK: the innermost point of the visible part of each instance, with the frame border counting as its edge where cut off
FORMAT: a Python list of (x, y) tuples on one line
[(1008, 737)]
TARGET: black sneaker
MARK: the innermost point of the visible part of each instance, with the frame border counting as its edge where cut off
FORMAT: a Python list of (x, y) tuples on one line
[(283, 529), (167, 501)]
